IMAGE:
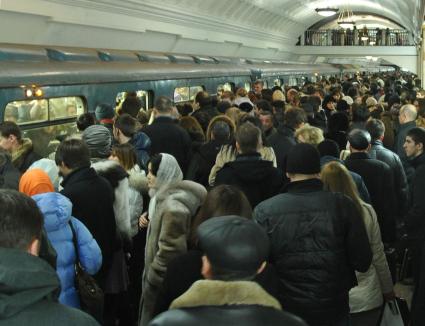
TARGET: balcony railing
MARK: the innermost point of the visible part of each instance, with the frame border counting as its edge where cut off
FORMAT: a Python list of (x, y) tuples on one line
[(356, 37)]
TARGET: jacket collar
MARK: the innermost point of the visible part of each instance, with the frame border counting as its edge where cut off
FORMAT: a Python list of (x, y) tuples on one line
[(407, 125), (220, 293), (164, 118), (80, 173), (249, 157), (418, 160), (377, 143), (304, 186), (358, 156)]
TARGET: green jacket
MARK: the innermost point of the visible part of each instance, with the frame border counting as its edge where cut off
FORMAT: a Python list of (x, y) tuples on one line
[(29, 290)]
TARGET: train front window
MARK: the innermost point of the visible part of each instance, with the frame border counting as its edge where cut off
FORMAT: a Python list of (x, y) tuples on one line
[(46, 121), (224, 87), (181, 94)]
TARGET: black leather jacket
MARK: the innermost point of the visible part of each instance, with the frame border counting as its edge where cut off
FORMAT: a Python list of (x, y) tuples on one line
[(380, 153), (318, 240)]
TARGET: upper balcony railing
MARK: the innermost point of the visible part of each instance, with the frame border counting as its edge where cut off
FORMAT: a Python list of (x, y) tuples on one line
[(356, 37)]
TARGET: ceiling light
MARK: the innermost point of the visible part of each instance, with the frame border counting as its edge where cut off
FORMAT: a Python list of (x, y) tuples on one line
[(326, 12), (345, 19)]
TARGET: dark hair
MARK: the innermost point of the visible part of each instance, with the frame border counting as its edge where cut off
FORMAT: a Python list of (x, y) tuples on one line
[(126, 124), (8, 128), (360, 113), (155, 161), (222, 200), (131, 105), (184, 109), (163, 104), (248, 136), (221, 131), (74, 153), (264, 105), (294, 117), (126, 155), (222, 106), (203, 99), (359, 139), (328, 147), (418, 135), (376, 128), (267, 94), (338, 122), (85, 120), (20, 220)]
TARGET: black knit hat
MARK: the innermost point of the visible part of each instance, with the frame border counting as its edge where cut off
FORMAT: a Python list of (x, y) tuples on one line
[(234, 243), (303, 159), (328, 147)]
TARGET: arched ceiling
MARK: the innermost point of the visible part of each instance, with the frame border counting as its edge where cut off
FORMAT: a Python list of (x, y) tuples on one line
[(249, 28)]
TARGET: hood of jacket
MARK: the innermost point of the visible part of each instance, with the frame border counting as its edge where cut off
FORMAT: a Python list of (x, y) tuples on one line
[(25, 280), (55, 208), (110, 170), (18, 156), (188, 193), (250, 167), (137, 179)]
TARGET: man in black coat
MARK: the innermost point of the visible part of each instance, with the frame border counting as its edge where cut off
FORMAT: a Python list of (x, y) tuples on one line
[(257, 178), (92, 198), (378, 178), (222, 298), (415, 219), (205, 111), (9, 175), (167, 136), (21, 149), (377, 151), (284, 139), (318, 240)]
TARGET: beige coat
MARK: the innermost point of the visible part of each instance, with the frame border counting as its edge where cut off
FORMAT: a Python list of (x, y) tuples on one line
[(168, 231), (377, 280), (228, 154)]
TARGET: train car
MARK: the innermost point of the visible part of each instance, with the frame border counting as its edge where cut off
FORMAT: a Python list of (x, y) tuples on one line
[(44, 89)]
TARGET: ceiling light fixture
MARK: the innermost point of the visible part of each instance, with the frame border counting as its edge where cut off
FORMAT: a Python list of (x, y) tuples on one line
[(345, 19), (326, 12)]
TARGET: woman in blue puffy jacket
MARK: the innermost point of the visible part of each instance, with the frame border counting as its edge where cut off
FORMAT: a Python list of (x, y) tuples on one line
[(56, 210)]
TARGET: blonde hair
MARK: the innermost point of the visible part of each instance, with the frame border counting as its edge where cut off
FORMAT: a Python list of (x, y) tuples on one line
[(233, 113), (278, 96), (337, 178), (311, 135)]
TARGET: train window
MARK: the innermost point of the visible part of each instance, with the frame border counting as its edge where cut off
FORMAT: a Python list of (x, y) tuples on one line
[(247, 86), (313, 79), (277, 82), (65, 107), (265, 84), (225, 87), (193, 90), (143, 96), (292, 81), (46, 139), (181, 94), (34, 111)]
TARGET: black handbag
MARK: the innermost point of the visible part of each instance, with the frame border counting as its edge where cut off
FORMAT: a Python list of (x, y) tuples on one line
[(90, 294)]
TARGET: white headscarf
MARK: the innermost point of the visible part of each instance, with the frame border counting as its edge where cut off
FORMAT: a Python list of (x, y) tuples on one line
[(168, 172)]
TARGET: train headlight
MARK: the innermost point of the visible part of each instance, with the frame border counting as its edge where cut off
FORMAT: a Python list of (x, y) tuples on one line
[(28, 92)]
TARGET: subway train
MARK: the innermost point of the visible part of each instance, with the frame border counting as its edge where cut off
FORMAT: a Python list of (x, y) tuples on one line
[(44, 88)]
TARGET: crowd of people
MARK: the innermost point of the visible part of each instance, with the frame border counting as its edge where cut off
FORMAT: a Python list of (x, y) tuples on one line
[(269, 207)]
